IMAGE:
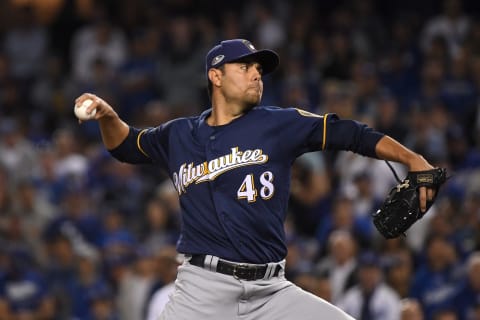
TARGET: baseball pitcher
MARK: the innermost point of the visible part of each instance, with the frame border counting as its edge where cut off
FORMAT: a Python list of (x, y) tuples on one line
[(231, 168)]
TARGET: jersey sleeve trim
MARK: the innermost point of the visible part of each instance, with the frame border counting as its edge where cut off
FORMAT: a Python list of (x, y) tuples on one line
[(324, 131), (139, 145)]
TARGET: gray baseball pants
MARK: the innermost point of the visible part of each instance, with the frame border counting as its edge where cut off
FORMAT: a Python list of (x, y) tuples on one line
[(201, 294)]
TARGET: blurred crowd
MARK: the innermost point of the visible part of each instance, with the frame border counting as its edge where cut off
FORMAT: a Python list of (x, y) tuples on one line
[(83, 236)]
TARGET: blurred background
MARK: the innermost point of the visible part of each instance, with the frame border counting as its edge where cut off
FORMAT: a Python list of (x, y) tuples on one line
[(83, 236)]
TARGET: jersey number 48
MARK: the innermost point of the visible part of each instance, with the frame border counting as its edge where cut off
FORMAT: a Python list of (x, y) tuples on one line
[(248, 191)]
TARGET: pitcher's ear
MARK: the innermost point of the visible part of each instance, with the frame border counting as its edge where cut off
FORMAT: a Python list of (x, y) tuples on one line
[(214, 75)]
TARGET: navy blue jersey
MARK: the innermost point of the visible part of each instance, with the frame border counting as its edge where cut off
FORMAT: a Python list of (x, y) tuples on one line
[(233, 180)]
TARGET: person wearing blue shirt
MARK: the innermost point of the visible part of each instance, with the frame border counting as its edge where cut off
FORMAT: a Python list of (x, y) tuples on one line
[(467, 297), (23, 289), (435, 280)]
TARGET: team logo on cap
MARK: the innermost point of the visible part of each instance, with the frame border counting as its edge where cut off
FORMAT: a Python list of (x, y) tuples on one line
[(217, 59), (249, 45)]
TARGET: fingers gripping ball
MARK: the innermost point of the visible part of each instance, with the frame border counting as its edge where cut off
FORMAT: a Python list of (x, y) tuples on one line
[(401, 209), (80, 110)]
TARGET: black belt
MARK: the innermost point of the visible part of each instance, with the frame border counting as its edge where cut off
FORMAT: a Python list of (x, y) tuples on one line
[(237, 270)]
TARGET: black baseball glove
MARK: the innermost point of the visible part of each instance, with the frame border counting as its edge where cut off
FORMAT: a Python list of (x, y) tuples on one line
[(401, 209)]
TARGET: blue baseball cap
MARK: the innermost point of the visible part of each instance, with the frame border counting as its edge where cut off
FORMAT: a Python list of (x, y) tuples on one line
[(238, 49), (369, 259)]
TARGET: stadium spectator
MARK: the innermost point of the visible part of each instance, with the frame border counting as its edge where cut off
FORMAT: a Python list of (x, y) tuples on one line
[(340, 264), (371, 298), (436, 276)]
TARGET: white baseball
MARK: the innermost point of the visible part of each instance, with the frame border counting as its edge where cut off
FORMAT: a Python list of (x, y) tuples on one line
[(80, 110)]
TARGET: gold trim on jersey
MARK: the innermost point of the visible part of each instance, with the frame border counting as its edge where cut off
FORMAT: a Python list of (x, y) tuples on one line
[(310, 114), (324, 131), (138, 143)]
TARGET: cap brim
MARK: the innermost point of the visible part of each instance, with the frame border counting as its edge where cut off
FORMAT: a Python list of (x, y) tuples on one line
[(268, 59)]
